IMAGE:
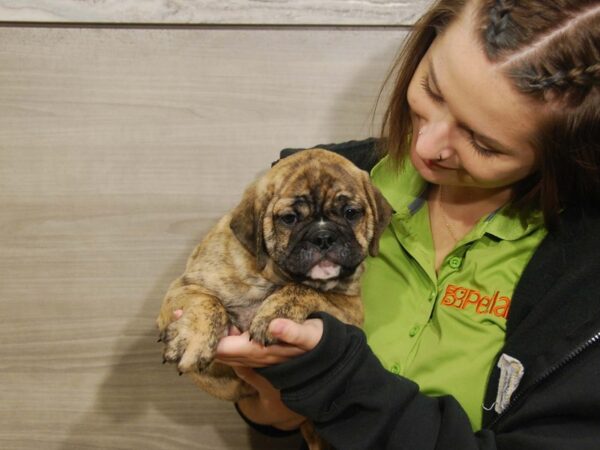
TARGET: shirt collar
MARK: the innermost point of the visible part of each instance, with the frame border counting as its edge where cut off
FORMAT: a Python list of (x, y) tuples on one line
[(506, 225), (405, 190), (402, 186)]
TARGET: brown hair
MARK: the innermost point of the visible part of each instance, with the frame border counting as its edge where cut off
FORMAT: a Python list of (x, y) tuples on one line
[(551, 53)]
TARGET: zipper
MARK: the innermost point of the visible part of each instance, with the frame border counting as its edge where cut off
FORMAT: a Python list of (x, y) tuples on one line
[(570, 357)]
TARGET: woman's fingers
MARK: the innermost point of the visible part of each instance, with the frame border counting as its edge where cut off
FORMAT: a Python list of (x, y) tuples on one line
[(256, 381), (236, 349), (266, 407), (239, 350)]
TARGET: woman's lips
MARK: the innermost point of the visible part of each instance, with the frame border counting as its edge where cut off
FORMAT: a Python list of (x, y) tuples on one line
[(430, 163), (433, 164)]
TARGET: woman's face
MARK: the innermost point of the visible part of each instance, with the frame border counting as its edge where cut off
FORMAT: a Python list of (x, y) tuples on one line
[(470, 127)]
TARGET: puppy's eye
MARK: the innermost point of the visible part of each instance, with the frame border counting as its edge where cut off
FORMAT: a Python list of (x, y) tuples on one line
[(352, 213), (289, 219)]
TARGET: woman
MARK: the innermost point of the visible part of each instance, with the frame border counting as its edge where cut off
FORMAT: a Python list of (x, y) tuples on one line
[(483, 307)]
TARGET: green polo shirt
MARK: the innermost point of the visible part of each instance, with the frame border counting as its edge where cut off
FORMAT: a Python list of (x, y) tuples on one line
[(442, 330)]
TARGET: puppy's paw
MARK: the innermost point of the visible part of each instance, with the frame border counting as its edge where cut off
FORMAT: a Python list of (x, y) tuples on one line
[(188, 344), (259, 330), (277, 306)]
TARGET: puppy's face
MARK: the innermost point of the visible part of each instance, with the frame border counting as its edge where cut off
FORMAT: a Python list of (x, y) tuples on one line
[(315, 215), (319, 227)]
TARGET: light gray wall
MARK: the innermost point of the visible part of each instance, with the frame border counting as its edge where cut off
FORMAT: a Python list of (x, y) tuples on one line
[(119, 146)]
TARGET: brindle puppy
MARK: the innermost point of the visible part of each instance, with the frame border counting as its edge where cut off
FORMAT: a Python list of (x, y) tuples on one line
[(294, 245)]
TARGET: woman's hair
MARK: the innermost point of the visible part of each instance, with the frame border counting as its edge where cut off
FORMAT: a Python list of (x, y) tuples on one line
[(550, 51)]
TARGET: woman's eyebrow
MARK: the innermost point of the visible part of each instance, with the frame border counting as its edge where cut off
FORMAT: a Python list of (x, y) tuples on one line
[(486, 140)]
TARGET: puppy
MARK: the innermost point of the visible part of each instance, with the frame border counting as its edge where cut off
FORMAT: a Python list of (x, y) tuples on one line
[(294, 245)]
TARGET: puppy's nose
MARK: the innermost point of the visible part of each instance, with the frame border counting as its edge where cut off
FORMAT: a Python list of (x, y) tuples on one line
[(323, 239)]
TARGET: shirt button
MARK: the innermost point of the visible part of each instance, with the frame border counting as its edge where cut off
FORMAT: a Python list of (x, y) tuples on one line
[(395, 369), (455, 262), (413, 331), (432, 296)]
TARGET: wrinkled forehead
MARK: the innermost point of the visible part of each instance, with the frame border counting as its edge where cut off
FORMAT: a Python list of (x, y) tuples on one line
[(308, 201), (317, 185)]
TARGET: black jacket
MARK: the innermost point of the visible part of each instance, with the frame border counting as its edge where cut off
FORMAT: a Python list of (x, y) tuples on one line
[(553, 329)]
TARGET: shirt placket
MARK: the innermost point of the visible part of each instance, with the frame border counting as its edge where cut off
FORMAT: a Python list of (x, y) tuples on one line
[(408, 230)]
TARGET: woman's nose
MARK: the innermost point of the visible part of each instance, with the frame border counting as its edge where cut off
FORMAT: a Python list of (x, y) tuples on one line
[(433, 140)]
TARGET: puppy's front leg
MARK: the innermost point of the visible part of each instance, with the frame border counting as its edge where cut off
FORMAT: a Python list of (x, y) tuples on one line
[(191, 341), (297, 302)]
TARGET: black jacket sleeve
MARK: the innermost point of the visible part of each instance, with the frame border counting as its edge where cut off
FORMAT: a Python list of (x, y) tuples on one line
[(356, 404)]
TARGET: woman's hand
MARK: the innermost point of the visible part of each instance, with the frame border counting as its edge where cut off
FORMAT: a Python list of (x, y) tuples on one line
[(295, 339), (238, 350), (266, 408), (243, 355)]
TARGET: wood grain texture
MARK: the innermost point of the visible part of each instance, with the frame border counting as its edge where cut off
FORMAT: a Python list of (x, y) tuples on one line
[(211, 12), (118, 149)]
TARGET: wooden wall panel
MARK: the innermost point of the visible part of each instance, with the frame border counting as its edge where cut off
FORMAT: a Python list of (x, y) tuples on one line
[(228, 12), (118, 149)]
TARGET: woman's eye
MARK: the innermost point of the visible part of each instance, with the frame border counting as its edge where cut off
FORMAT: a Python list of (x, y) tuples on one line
[(352, 213), (289, 219), (432, 95), (483, 151)]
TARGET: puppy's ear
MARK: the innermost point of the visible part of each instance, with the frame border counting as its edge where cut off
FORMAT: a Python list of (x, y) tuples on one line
[(382, 213), (247, 224)]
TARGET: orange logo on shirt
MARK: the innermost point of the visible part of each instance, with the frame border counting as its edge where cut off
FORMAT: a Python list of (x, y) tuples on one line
[(471, 299)]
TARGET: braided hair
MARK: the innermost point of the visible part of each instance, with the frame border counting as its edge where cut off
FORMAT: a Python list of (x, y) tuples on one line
[(551, 52), (551, 48)]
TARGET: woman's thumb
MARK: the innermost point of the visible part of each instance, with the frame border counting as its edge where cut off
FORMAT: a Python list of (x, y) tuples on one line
[(304, 335)]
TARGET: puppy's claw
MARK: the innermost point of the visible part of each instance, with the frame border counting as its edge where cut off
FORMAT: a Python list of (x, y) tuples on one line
[(262, 338), (259, 332), (190, 344)]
